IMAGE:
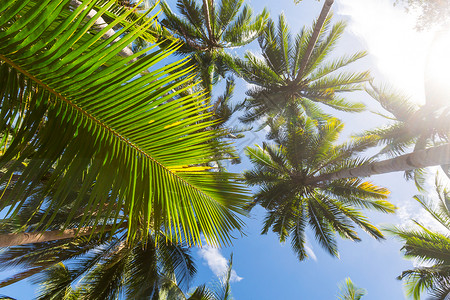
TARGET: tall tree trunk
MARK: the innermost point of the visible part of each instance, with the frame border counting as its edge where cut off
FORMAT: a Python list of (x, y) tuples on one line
[(419, 159), (100, 23), (312, 42), (15, 239), (206, 10)]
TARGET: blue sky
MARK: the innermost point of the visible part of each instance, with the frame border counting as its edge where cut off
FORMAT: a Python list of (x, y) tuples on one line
[(266, 269)]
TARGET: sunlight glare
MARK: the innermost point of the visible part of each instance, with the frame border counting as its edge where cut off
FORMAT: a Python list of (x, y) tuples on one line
[(398, 50), (437, 83)]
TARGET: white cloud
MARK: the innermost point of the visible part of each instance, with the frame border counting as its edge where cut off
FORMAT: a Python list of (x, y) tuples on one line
[(217, 263), (310, 252), (389, 35)]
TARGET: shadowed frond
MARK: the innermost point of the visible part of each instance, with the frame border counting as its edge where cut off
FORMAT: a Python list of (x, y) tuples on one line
[(101, 267)]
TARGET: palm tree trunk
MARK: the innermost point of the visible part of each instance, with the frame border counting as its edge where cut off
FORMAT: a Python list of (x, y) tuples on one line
[(312, 42), (100, 23), (15, 239), (418, 159), (206, 6)]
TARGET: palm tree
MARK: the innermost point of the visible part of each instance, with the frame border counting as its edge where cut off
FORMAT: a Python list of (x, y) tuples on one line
[(101, 266), (206, 31), (209, 29), (425, 128), (103, 269), (412, 125), (283, 88), (284, 170), (27, 226), (430, 247), (72, 106), (349, 291)]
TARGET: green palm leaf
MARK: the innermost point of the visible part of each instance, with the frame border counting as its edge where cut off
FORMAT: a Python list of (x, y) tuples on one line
[(88, 115), (349, 291), (103, 266)]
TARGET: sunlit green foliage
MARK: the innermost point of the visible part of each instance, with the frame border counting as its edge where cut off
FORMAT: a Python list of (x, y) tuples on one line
[(349, 291), (74, 108)]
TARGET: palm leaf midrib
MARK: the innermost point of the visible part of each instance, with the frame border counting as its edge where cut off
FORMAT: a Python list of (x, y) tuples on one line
[(100, 123), (84, 112)]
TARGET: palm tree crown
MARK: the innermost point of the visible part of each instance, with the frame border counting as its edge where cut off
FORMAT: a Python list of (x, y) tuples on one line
[(285, 172), (280, 89), (100, 266), (412, 125), (105, 268), (208, 29)]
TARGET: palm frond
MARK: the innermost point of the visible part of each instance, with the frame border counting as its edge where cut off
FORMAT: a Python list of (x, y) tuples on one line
[(322, 230), (78, 92), (56, 284), (336, 64), (393, 101), (298, 234), (223, 292), (325, 44), (202, 293), (349, 291), (245, 29)]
